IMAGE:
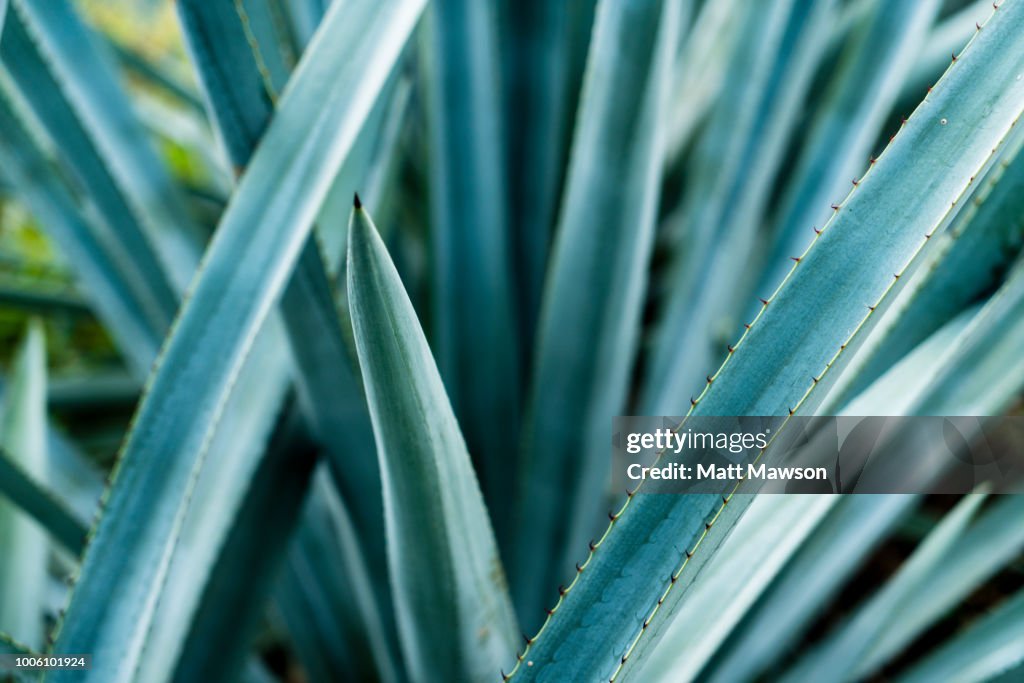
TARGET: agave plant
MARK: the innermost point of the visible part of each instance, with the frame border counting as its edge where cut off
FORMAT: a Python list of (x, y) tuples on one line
[(343, 439)]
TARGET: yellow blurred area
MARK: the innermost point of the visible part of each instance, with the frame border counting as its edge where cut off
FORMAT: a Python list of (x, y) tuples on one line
[(147, 27)]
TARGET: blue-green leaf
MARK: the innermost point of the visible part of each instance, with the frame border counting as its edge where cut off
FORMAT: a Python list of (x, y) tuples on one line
[(947, 37), (242, 90), (984, 371), (536, 39), (455, 618), (870, 72), (227, 486), (968, 261), (28, 494), (82, 67), (714, 165), (701, 68), (304, 16), (736, 162), (227, 612), (240, 75), (264, 228), (24, 543), (474, 328), (86, 247), (898, 390), (789, 354), (845, 649), (10, 646), (851, 530), (988, 546), (154, 74), (331, 615), (43, 301), (590, 320), (773, 530), (992, 646)]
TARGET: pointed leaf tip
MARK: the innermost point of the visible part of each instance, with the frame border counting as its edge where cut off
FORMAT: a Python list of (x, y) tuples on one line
[(355, 201)]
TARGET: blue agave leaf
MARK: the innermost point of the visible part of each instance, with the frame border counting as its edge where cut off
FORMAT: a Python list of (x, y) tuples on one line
[(700, 69), (844, 649), (990, 545), (242, 95), (737, 161), (23, 436), (912, 375), (82, 66), (10, 646), (227, 613), (984, 373), (614, 611), (52, 202), (27, 493), (968, 261), (589, 328), (304, 16), (158, 77), (333, 623), (947, 37), (473, 323), (227, 486), (871, 71), (239, 74), (765, 540), (815, 572), (990, 649), (455, 617), (246, 267), (536, 36)]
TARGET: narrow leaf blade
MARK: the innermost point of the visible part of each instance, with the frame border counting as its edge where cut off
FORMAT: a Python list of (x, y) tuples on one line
[(23, 435), (454, 614), (790, 350), (264, 228), (590, 320)]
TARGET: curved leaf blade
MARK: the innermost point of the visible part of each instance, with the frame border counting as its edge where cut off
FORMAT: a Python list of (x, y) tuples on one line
[(989, 545), (455, 618), (756, 116), (264, 228), (227, 612), (331, 615), (872, 69), (239, 94), (766, 538), (241, 77)]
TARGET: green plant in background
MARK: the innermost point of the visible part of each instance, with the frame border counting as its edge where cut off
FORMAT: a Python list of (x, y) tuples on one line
[(344, 437)]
